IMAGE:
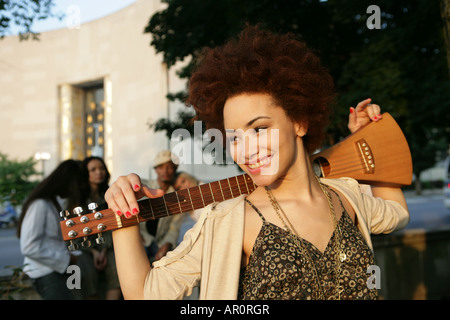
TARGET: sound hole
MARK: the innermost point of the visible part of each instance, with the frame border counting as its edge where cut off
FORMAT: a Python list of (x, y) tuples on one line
[(321, 167)]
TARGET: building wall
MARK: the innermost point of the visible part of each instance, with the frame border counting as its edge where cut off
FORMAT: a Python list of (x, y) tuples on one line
[(41, 92), (36, 77)]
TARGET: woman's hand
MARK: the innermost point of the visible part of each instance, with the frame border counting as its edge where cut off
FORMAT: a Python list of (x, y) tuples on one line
[(363, 114), (123, 194)]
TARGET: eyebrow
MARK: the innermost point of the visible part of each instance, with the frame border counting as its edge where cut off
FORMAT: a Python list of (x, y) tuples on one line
[(255, 119)]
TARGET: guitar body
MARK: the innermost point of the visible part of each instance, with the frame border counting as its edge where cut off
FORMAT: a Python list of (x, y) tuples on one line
[(377, 154)]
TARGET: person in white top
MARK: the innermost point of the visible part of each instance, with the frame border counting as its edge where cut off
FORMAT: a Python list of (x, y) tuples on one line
[(41, 243)]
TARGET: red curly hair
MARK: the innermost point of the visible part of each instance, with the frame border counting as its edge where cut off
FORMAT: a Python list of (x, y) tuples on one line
[(259, 61)]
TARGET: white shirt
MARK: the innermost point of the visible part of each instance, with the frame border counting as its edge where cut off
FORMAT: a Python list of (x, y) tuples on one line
[(41, 241)]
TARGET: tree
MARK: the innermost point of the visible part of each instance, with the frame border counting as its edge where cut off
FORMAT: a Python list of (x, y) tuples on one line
[(24, 13), (15, 179), (401, 63)]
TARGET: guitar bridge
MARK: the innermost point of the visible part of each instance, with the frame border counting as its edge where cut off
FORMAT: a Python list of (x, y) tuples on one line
[(366, 156)]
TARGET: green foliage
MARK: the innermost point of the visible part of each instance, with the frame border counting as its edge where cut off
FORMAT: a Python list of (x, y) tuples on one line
[(401, 66), (15, 179), (23, 14)]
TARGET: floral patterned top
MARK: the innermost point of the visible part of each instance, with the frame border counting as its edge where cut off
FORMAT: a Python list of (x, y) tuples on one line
[(277, 269)]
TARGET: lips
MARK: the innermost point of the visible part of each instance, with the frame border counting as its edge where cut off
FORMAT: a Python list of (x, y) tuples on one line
[(255, 167)]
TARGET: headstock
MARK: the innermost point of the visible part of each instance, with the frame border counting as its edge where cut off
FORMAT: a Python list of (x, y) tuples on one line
[(83, 225)]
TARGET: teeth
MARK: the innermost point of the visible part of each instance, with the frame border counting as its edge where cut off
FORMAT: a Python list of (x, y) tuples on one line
[(259, 164)]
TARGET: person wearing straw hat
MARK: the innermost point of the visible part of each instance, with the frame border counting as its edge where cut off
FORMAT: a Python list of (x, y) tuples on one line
[(160, 236)]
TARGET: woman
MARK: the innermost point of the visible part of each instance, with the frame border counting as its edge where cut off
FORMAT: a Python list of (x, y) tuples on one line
[(41, 242), (97, 263), (294, 237)]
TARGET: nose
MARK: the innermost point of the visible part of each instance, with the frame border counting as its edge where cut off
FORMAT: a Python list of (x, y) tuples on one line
[(246, 149)]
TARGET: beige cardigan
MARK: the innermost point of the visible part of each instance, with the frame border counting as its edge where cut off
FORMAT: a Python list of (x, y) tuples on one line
[(210, 254)]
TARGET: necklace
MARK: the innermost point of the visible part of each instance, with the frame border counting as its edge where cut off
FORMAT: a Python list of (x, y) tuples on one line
[(340, 257)]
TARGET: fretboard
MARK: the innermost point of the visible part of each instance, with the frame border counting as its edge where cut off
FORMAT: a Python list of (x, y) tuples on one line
[(194, 198)]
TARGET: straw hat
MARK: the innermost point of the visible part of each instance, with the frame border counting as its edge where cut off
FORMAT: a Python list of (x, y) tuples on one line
[(165, 156)]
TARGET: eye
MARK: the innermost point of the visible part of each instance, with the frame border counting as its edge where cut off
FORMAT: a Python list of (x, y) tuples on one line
[(232, 136), (260, 129)]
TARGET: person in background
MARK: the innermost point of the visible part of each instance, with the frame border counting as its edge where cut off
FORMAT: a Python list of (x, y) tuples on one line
[(41, 243), (160, 236), (97, 263), (184, 180)]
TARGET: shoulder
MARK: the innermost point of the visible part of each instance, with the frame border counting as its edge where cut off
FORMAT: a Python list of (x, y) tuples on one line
[(348, 186), (227, 207), (39, 205)]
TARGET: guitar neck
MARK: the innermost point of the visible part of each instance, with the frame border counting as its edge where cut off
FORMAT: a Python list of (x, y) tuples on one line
[(185, 200), (195, 197)]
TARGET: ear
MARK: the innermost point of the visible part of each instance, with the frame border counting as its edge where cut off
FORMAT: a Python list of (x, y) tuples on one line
[(300, 129)]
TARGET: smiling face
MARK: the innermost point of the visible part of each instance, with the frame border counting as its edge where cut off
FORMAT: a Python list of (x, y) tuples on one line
[(262, 140)]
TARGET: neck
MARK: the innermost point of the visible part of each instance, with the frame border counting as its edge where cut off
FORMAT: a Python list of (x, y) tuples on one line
[(299, 182)]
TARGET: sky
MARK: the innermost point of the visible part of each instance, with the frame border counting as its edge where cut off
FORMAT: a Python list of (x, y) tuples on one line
[(79, 11)]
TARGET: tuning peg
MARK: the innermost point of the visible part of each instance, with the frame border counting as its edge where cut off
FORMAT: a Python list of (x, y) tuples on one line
[(64, 214), (78, 211), (86, 243), (100, 239), (72, 246), (92, 206)]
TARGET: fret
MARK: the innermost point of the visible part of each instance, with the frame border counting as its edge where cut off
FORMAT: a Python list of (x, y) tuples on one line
[(192, 204), (172, 203), (237, 181), (221, 191), (226, 190), (185, 203), (159, 207), (151, 208), (179, 202), (167, 210), (243, 177), (197, 198), (212, 193), (203, 200), (206, 194), (217, 194), (231, 190)]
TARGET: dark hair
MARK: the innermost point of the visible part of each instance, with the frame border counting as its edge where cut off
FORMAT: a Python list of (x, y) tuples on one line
[(259, 61), (86, 187), (64, 181)]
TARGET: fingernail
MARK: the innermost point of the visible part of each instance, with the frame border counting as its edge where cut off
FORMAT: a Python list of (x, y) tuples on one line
[(351, 110), (119, 213), (136, 187), (127, 214), (135, 210), (379, 116), (375, 118)]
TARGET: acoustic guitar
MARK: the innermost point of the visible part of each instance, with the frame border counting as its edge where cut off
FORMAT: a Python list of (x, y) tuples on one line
[(377, 154)]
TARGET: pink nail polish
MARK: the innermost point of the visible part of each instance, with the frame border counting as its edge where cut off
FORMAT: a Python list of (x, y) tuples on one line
[(375, 118), (136, 187), (135, 210), (119, 213), (351, 110), (127, 214)]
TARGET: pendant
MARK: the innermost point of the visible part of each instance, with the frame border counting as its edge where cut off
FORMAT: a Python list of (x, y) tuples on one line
[(342, 256)]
